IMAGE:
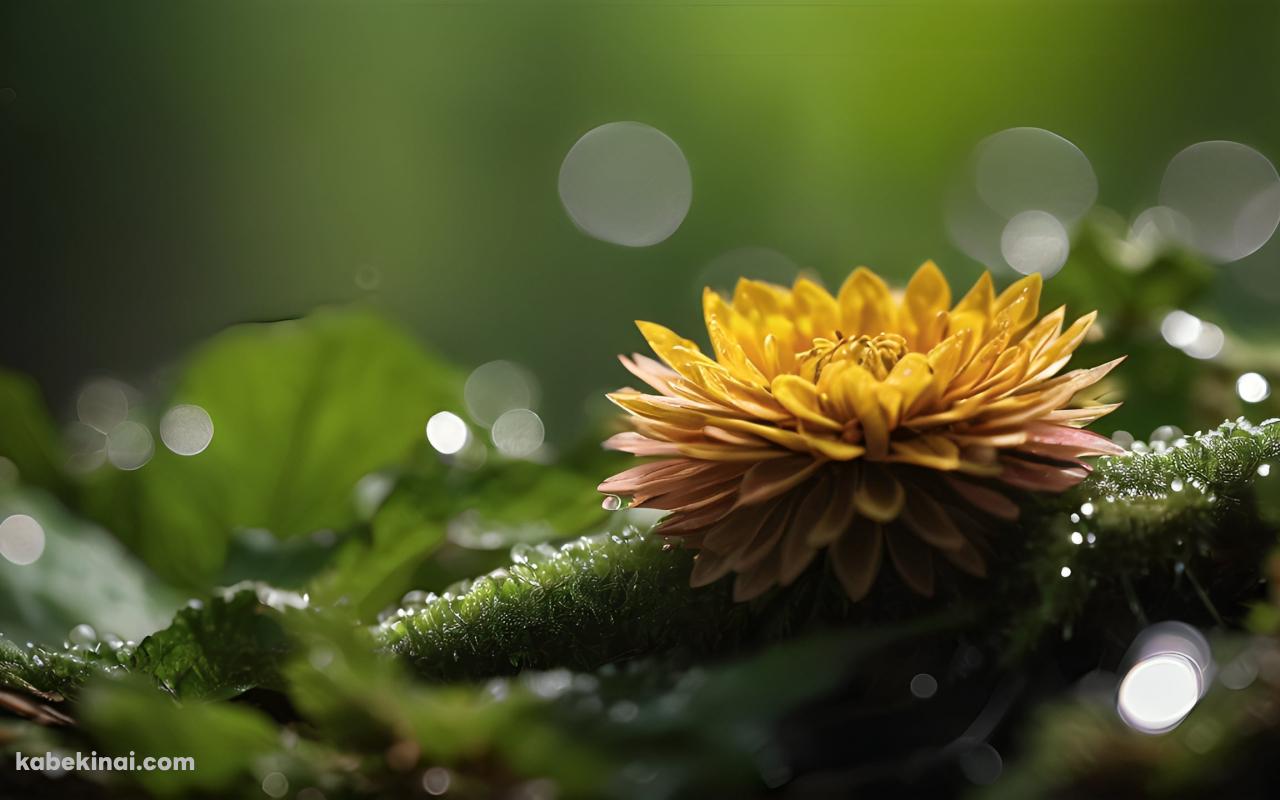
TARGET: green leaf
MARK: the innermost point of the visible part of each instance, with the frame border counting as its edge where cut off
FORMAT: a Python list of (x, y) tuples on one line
[(301, 411), (27, 436), (233, 642), (82, 577), (129, 716), (369, 576)]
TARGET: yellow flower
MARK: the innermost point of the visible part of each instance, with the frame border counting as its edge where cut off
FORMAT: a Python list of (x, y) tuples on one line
[(855, 424)]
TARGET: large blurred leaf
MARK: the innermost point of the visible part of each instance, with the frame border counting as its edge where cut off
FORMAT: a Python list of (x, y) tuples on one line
[(82, 576), (27, 436), (301, 411), (224, 740)]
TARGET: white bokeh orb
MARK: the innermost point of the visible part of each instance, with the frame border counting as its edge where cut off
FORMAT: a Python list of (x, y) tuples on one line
[(627, 183), (1229, 194), (1035, 241), (518, 433), (21, 539), (129, 446), (1021, 169), (1158, 692), (497, 387), (447, 432), (186, 429)]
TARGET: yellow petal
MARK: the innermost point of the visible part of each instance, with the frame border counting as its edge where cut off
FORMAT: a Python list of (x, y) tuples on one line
[(1064, 345), (879, 496), (866, 304), (816, 310), (979, 299), (729, 351), (926, 297), (931, 451), (854, 391), (834, 449), (800, 397), (910, 377), (678, 353), (1019, 304), (759, 299)]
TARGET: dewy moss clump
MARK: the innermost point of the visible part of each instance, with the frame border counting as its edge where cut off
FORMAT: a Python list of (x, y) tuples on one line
[(1179, 531), (595, 600)]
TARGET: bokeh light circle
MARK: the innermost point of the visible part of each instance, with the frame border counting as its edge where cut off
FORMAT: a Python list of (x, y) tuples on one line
[(186, 429), (447, 432), (1253, 388), (102, 404), (1035, 241), (518, 433), (1021, 169), (627, 183), (21, 539), (497, 387), (1158, 692), (129, 446), (1230, 195)]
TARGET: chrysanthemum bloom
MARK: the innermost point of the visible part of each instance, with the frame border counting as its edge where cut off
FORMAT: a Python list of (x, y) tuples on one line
[(855, 424)]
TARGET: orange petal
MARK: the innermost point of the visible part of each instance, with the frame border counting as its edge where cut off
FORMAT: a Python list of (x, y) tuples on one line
[(855, 558), (913, 560), (771, 478)]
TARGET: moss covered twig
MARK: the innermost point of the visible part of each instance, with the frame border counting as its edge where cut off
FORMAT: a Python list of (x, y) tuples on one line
[(605, 598), (1181, 531), (596, 600)]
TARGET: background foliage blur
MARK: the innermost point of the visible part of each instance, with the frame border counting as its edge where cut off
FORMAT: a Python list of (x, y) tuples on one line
[(171, 169), (357, 170)]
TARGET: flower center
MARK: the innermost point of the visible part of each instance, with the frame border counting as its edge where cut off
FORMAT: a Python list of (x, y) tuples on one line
[(876, 354)]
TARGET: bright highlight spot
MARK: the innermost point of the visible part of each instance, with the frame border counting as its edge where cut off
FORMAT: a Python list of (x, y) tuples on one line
[(1035, 241), (1158, 692), (21, 539), (1065, 572), (518, 433), (186, 429), (1180, 329), (129, 446), (447, 432), (627, 183), (1076, 538), (1252, 387), (1208, 343)]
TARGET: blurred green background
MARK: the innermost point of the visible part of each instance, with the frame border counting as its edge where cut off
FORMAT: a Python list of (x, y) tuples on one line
[(169, 169)]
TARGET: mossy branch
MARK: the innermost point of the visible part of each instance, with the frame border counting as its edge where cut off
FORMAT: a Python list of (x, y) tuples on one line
[(1146, 536), (596, 600), (605, 598)]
